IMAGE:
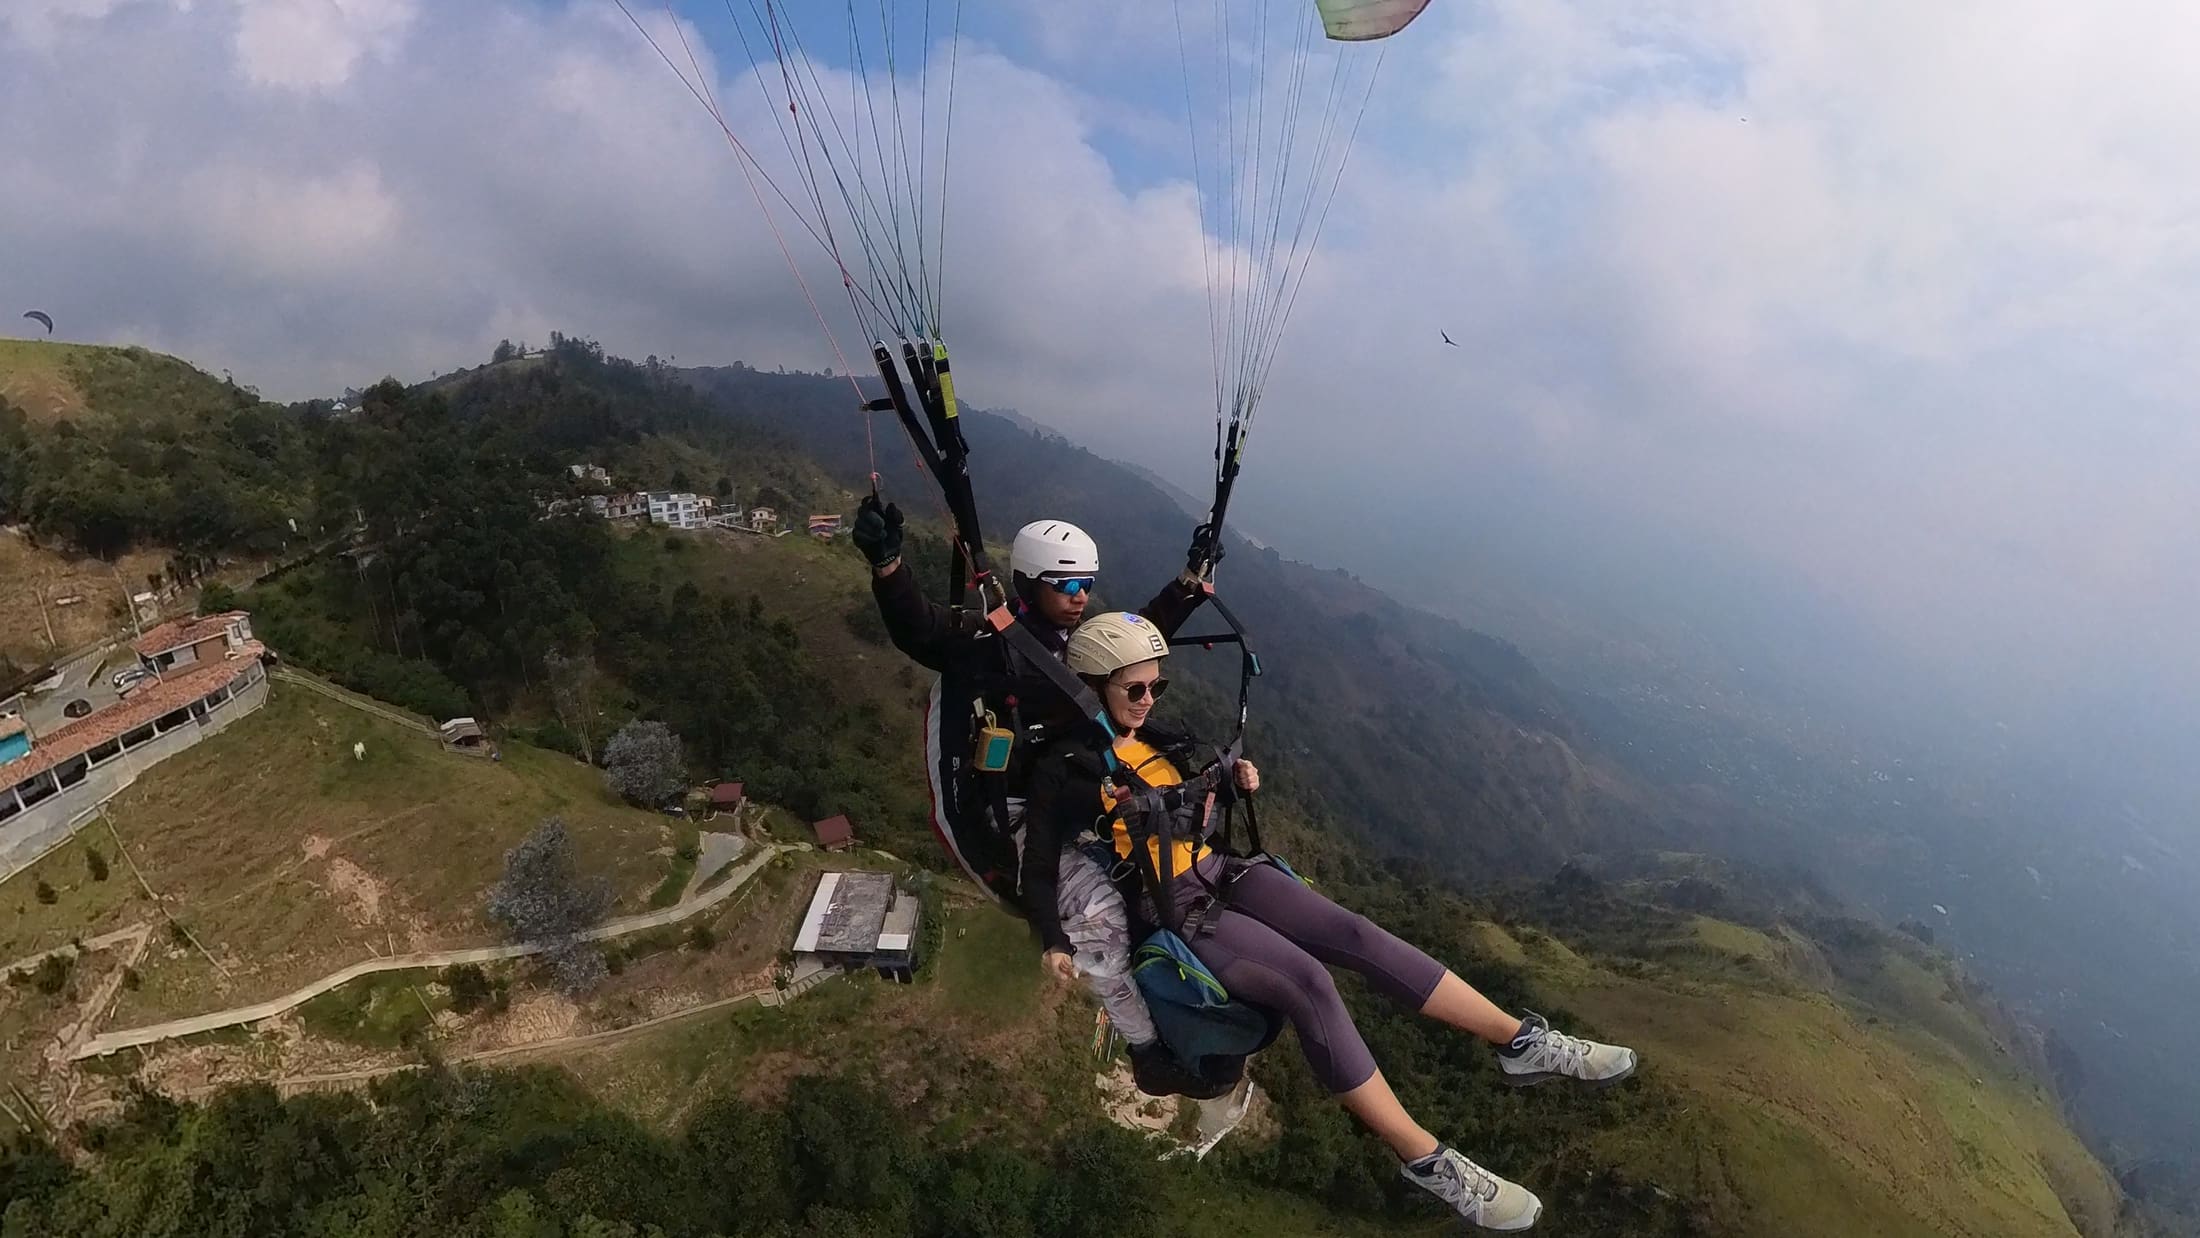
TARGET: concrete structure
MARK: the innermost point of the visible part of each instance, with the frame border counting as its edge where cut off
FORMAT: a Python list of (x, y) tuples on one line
[(677, 509), (825, 525), (763, 520), (206, 673), (859, 920), (588, 472), (619, 506)]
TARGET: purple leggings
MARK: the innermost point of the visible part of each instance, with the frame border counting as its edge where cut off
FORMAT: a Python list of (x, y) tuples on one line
[(1270, 944)]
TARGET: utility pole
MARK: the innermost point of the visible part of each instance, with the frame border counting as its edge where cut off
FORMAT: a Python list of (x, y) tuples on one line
[(52, 646), (128, 603)]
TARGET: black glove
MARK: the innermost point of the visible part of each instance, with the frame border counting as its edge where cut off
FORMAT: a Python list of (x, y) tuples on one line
[(877, 532), (1206, 551)]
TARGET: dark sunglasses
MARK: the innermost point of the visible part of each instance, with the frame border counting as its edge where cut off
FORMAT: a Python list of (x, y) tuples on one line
[(1135, 692), (1071, 585)]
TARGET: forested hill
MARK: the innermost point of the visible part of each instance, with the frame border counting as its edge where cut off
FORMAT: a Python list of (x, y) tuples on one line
[(456, 570), (1439, 745)]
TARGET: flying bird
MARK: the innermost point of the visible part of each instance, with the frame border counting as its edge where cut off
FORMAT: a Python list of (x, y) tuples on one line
[(1447, 337), (40, 315)]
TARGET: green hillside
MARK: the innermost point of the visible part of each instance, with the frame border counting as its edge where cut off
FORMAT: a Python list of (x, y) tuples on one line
[(1805, 1073)]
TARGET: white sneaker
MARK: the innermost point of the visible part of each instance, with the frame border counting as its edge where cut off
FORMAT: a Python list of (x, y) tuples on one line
[(1544, 1054), (1474, 1192)]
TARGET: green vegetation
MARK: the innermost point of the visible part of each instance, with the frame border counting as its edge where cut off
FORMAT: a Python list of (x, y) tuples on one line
[(527, 1152), (123, 447), (987, 967), (679, 868), (383, 1010)]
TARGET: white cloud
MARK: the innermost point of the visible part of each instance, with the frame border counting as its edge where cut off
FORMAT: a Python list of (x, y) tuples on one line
[(316, 44), (1899, 297)]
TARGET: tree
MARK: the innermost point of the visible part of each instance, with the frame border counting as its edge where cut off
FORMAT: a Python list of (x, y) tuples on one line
[(573, 690), (541, 898), (644, 763), (216, 598)]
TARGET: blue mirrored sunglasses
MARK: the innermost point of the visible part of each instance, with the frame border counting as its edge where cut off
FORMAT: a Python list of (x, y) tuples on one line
[(1071, 585)]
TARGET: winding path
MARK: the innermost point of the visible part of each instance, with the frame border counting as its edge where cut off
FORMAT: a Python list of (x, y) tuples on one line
[(110, 1042)]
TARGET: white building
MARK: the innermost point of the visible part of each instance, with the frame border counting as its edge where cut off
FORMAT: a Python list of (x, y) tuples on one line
[(588, 472), (677, 508)]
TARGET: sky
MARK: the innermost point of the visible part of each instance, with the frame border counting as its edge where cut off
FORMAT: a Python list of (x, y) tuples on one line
[(1882, 308)]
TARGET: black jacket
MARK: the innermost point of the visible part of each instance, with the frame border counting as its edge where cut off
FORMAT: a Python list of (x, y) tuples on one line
[(959, 643), (1063, 798)]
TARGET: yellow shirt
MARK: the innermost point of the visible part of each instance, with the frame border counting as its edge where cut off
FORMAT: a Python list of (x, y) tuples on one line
[(1155, 770)]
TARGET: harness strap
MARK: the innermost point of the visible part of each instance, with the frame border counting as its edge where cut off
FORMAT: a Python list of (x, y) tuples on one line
[(1064, 680)]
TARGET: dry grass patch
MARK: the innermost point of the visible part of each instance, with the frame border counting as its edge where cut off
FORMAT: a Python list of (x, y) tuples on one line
[(289, 859)]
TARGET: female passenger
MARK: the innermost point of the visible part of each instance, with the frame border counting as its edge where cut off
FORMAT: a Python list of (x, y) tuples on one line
[(1265, 935)]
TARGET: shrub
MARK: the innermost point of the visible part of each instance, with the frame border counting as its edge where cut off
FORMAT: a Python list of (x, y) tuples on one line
[(96, 863), (53, 973), (469, 985), (44, 893)]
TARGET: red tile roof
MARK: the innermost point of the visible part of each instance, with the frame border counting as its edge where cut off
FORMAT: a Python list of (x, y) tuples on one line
[(177, 633), (726, 793), (148, 702), (835, 832)]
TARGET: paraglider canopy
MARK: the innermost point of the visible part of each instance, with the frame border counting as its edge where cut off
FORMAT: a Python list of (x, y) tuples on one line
[(1352, 20), (41, 316)]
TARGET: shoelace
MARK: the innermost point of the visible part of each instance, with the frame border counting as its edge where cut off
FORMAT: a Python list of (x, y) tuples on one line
[(1471, 1178), (1564, 1052)]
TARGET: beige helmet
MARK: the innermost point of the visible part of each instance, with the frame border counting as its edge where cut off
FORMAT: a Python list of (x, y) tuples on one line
[(1106, 643)]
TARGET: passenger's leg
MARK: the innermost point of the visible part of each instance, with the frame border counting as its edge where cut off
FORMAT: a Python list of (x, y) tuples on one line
[(1099, 928), (1532, 1052), (1256, 964)]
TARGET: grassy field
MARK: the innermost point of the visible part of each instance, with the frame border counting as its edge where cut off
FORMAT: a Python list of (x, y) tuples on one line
[(988, 969), (35, 376), (1808, 1116), (287, 858)]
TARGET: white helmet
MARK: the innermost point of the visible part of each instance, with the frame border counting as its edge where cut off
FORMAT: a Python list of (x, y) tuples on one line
[(1053, 548), (1105, 644)]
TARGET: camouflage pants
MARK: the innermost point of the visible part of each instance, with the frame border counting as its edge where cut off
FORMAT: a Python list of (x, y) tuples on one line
[(1099, 929)]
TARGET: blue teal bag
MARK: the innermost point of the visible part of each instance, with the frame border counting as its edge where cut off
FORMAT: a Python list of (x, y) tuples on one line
[(1208, 1031)]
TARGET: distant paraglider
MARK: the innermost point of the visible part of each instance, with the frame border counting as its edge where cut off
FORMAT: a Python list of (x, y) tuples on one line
[(41, 316), (1447, 337)]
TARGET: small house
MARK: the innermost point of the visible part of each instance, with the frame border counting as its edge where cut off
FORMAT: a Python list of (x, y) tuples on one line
[(183, 643), (826, 525), (763, 520), (465, 735), (835, 833), (859, 920), (726, 797)]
